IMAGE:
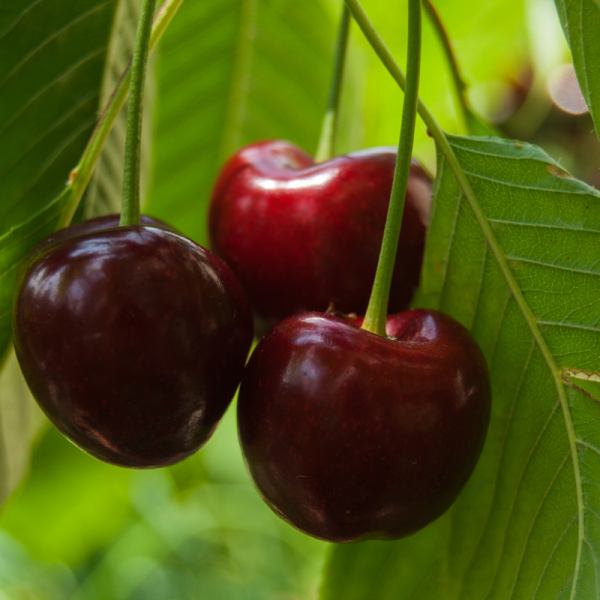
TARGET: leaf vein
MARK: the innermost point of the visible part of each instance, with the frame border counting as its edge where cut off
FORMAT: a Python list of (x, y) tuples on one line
[(543, 225), (496, 492), (520, 186), (553, 266), (519, 481), (569, 325), (537, 514), (560, 539)]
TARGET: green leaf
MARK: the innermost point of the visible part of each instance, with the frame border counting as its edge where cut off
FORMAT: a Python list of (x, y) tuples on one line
[(528, 523), (231, 72), (14, 246), (52, 56), (55, 70), (580, 20)]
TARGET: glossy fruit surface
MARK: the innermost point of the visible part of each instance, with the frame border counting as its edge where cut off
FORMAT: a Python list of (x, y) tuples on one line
[(83, 227), (132, 340), (95, 224), (301, 235), (351, 436)]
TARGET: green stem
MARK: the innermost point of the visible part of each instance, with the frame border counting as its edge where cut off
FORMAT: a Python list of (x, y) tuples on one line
[(378, 45), (326, 148), (80, 176), (444, 147), (459, 82), (130, 211), (446, 150), (376, 315)]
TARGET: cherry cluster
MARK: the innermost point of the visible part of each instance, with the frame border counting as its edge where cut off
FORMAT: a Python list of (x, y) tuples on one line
[(133, 338), (133, 341)]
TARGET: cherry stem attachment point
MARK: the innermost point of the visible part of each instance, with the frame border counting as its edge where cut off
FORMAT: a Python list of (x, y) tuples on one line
[(327, 139), (375, 318), (130, 211)]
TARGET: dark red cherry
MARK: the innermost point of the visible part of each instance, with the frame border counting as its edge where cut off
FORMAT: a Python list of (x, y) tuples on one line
[(350, 436), (301, 235), (132, 340)]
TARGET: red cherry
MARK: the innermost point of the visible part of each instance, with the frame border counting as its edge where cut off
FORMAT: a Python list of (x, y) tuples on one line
[(350, 436), (132, 340), (301, 235)]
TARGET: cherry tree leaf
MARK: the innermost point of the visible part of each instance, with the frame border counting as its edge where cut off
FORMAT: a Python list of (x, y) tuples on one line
[(231, 72), (585, 47), (52, 57), (55, 70), (527, 526)]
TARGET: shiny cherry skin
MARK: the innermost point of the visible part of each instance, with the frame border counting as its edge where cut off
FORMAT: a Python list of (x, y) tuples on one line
[(95, 224), (301, 235), (351, 436), (83, 227), (132, 340)]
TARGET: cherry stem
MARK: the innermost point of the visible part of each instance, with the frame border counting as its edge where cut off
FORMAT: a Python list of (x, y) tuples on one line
[(376, 315), (327, 139), (130, 211), (459, 82), (80, 176)]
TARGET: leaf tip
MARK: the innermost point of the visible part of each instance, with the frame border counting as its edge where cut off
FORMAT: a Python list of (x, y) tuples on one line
[(558, 172)]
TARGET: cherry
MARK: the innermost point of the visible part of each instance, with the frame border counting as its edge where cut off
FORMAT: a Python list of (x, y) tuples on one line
[(351, 436), (301, 235), (132, 340)]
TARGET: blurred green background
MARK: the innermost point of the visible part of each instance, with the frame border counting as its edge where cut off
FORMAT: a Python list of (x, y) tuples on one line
[(227, 74), (80, 529)]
